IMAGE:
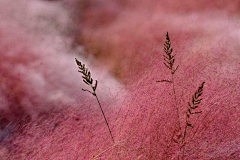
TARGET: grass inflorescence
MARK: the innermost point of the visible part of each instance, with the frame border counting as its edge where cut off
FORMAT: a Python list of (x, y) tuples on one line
[(192, 106), (89, 81), (169, 61), (181, 129)]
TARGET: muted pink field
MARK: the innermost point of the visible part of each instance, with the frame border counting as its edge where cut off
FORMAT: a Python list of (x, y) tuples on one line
[(46, 115)]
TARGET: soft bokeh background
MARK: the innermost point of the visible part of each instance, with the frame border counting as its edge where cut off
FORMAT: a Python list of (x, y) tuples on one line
[(45, 114)]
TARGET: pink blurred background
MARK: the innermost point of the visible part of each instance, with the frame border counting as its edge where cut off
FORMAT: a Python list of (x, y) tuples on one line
[(45, 114)]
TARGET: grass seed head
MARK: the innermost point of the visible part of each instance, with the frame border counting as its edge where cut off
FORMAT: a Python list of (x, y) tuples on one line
[(86, 77), (169, 58)]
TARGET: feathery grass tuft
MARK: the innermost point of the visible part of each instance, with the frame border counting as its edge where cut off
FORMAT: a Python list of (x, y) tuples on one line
[(89, 81), (169, 58), (192, 105), (169, 61), (86, 77)]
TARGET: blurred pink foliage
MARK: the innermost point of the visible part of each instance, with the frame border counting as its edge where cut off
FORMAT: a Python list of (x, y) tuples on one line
[(39, 78)]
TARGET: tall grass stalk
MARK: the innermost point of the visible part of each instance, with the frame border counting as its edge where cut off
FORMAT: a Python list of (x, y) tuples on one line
[(89, 81), (192, 105), (169, 60)]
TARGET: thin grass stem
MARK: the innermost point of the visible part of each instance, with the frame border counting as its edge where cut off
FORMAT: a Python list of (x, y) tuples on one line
[(104, 117), (89, 81)]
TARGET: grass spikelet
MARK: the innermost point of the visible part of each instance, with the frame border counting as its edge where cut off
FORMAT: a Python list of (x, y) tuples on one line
[(192, 105), (89, 81), (87, 77), (169, 60), (179, 135)]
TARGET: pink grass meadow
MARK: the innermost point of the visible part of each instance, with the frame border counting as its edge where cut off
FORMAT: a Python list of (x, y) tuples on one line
[(48, 116)]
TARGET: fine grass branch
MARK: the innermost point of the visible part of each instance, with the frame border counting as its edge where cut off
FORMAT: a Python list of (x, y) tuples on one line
[(89, 81), (169, 59), (169, 62), (192, 105)]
